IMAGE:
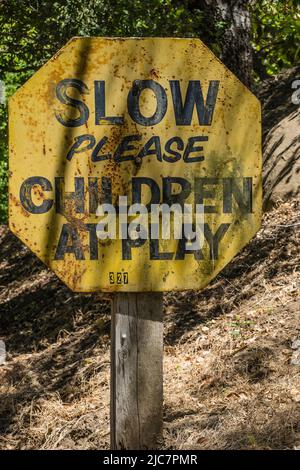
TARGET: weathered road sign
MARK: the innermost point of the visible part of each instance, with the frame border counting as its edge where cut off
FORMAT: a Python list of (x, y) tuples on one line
[(161, 121)]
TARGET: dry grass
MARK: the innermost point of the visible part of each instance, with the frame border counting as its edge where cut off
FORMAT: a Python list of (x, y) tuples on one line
[(228, 378)]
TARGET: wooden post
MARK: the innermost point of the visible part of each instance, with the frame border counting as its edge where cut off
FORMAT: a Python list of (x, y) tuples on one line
[(136, 370)]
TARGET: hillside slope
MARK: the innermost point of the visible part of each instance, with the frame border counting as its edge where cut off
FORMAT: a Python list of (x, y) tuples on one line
[(281, 140), (232, 355)]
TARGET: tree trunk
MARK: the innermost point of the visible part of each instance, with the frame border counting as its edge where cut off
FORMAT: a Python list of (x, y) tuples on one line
[(236, 50)]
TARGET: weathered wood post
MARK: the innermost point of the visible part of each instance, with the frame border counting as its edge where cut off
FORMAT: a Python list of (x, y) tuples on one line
[(136, 370)]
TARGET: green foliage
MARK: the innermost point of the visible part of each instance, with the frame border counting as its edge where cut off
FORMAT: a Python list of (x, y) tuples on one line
[(276, 35), (12, 82), (3, 186), (3, 174), (32, 31)]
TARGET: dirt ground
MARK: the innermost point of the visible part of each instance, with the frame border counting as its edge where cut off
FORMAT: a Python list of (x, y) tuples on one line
[(231, 362)]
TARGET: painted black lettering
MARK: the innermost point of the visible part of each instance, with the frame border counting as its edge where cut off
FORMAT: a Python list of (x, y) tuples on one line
[(168, 148), (62, 197), (202, 193), (183, 250), (243, 198), (74, 104), (137, 184), (194, 97), (133, 102), (99, 195), (126, 146), (155, 254), (26, 195), (93, 240), (100, 114), (69, 234), (154, 142), (95, 154), (179, 198), (214, 239), (78, 141), (128, 244), (192, 148)]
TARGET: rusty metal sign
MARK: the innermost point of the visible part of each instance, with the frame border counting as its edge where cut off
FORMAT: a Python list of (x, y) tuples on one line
[(135, 164)]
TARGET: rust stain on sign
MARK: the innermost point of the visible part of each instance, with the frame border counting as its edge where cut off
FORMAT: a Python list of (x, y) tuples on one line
[(156, 120)]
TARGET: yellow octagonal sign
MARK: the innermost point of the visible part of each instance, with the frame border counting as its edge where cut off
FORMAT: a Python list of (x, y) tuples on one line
[(135, 164)]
